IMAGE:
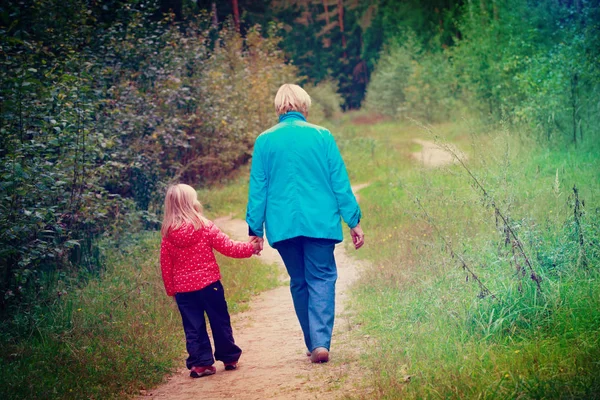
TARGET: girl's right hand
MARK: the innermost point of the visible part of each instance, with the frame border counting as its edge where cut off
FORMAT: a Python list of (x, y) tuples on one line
[(257, 243)]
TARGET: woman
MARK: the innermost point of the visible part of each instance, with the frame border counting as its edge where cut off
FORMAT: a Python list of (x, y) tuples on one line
[(299, 188)]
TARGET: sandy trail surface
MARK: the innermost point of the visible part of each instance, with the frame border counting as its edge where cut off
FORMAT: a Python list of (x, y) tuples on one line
[(432, 155), (274, 364)]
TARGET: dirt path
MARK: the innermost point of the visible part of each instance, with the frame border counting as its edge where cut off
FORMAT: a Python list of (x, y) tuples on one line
[(432, 155), (274, 364)]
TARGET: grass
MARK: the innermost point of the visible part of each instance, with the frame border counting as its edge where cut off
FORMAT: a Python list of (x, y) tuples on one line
[(121, 333), (118, 334), (228, 198), (425, 317)]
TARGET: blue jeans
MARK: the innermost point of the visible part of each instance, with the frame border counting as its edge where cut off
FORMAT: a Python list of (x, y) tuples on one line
[(192, 306), (313, 273)]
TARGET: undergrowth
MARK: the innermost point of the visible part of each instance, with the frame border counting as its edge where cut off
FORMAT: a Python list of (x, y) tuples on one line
[(117, 335), (435, 334)]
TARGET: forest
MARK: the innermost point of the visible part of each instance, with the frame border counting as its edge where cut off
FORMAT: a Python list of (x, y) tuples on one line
[(103, 103)]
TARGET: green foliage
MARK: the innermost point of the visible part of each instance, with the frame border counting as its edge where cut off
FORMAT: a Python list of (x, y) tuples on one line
[(98, 336), (99, 110), (341, 40), (53, 200), (204, 106), (387, 88), (537, 63), (432, 93), (533, 65), (326, 101), (324, 46), (117, 335), (411, 82), (433, 21), (421, 310)]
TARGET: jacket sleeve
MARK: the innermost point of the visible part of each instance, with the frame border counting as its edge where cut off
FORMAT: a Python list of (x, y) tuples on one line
[(257, 194), (166, 267), (230, 248), (340, 183)]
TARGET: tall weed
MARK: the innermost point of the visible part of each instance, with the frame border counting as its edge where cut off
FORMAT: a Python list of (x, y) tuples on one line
[(115, 336), (432, 335)]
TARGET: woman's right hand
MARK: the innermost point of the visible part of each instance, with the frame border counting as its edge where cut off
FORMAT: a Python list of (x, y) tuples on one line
[(358, 237)]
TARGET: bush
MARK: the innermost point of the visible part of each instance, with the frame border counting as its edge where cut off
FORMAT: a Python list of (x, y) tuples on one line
[(409, 82), (54, 201), (386, 93), (535, 64), (198, 120), (528, 64), (100, 110), (116, 335), (326, 101)]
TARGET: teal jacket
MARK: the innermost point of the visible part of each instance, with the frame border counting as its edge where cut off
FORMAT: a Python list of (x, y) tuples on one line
[(298, 183)]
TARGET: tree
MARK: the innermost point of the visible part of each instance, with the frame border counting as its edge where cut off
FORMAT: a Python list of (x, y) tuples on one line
[(236, 14)]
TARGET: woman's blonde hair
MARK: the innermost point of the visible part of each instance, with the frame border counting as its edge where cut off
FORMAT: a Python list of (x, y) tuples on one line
[(182, 206), (291, 97)]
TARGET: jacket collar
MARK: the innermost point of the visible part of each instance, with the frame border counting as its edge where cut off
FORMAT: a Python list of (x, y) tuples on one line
[(292, 115)]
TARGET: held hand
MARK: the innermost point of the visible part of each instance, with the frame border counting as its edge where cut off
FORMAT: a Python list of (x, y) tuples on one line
[(358, 237), (257, 248), (257, 242)]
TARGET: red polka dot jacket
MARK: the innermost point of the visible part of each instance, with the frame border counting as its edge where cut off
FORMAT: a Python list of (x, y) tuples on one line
[(187, 261)]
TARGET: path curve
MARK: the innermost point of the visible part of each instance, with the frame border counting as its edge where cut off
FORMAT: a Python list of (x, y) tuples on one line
[(274, 364), (433, 155)]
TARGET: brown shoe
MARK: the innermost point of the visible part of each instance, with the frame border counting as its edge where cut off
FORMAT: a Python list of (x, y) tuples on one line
[(231, 366), (319, 355), (197, 372)]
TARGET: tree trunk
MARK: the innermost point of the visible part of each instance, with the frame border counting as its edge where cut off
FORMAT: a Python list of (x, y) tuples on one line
[(496, 17), (574, 105), (484, 12), (215, 17), (326, 12), (341, 22), (236, 14)]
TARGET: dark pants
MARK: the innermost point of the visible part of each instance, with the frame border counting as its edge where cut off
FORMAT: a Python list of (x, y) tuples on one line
[(313, 273), (192, 306)]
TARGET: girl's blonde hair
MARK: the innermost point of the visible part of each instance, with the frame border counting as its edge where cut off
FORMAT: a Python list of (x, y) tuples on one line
[(291, 97), (182, 206)]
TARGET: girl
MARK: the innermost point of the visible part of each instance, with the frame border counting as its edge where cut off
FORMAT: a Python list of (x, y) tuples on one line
[(190, 273)]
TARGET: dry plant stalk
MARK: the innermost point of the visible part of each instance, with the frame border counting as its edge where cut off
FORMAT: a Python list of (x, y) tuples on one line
[(515, 241), (511, 235), (483, 290), (577, 215)]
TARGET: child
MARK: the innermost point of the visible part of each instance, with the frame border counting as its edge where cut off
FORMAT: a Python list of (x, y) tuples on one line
[(190, 273)]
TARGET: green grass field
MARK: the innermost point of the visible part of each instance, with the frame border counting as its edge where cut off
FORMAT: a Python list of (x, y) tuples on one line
[(432, 334), (423, 311), (117, 335)]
